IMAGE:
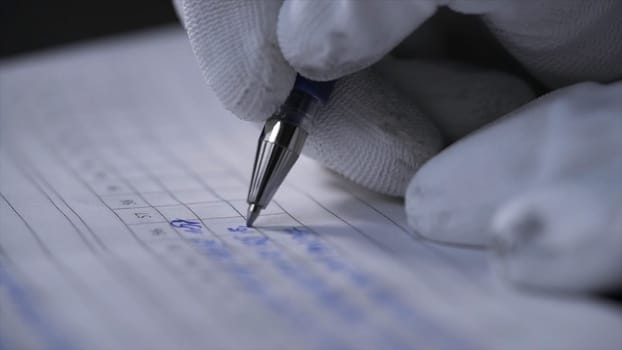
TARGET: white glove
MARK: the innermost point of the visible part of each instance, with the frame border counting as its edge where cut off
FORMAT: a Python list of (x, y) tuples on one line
[(369, 132), (379, 136), (546, 181)]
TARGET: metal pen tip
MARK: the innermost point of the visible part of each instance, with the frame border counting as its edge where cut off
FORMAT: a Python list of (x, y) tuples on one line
[(252, 214)]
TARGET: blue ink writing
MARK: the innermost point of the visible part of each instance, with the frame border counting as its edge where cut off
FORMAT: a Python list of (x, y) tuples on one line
[(189, 226), (239, 228)]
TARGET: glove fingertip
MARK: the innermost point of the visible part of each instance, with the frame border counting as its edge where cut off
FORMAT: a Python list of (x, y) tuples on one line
[(325, 40)]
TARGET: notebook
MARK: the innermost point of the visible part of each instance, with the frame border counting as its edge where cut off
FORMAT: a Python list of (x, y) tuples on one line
[(122, 203)]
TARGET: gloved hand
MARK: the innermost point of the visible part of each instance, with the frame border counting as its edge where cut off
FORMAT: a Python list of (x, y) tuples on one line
[(369, 132), (379, 126)]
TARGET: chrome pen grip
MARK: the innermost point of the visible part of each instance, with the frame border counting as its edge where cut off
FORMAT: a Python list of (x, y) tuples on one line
[(281, 142)]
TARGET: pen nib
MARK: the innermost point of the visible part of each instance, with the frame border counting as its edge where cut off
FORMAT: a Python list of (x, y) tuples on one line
[(252, 214)]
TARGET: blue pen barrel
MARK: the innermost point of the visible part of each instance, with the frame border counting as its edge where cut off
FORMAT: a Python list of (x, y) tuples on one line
[(304, 100), (320, 90)]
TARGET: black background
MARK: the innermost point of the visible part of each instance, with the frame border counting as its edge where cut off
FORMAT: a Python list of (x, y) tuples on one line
[(28, 25)]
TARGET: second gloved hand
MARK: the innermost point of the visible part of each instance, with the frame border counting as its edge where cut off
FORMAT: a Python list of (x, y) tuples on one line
[(542, 187)]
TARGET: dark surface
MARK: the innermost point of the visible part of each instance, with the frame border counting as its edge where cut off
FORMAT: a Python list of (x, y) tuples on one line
[(28, 25)]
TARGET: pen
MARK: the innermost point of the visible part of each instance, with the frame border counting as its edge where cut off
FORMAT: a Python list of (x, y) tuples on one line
[(281, 141)]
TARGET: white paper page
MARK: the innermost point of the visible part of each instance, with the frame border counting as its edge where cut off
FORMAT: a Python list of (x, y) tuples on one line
[(122, 190)]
